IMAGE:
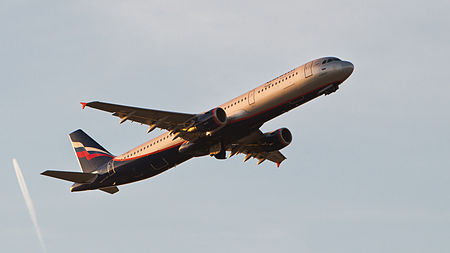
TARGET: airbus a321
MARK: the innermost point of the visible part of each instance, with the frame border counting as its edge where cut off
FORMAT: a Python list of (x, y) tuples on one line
[(231, 127)]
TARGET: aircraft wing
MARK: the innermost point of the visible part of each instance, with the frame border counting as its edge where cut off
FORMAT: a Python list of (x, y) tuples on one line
[(253, 147), (153, 118)]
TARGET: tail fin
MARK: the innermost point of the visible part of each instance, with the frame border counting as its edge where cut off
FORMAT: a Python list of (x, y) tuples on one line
[(90, 154)]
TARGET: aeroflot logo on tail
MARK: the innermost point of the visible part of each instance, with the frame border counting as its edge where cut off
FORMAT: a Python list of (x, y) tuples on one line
[(88, 152)]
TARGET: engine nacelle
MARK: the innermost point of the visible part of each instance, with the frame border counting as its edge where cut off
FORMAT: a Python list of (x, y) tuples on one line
[(278, 139), (211, 120)]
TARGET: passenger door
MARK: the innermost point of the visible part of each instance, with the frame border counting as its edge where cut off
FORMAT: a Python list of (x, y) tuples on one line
[(308, 69), (110, 167), (251, 97)]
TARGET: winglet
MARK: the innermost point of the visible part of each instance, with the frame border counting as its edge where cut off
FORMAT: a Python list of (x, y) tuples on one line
[(83, 104), (278, 164)]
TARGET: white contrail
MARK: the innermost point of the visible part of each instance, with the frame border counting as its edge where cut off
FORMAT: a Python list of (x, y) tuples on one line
[(28, 202)]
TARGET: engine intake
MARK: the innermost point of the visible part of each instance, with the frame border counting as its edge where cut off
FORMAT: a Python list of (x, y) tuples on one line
[(211, 120), (278, 139)]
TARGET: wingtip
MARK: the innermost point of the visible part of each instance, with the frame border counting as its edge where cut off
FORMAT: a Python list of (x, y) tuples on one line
[(278, 165), (83, 104)]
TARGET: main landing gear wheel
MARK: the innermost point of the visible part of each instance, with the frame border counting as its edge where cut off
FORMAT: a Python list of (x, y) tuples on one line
[(221, 155)]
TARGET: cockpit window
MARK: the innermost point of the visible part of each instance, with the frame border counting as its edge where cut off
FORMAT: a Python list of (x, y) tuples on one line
[(330, 60)]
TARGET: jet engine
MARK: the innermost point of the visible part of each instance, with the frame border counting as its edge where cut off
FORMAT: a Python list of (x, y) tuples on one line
[(277, 139), (211, 120)]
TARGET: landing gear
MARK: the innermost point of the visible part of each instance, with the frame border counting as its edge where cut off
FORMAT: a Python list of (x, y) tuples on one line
[(329, 89), (221, 155), (217, 151)]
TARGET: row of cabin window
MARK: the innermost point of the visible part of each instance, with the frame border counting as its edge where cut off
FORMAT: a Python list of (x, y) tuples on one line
[(245, 98), (236, 102), (277, 82), (230, 105), (149, 145)]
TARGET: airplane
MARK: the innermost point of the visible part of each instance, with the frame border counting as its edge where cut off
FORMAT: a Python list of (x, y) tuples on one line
[(232, 127)]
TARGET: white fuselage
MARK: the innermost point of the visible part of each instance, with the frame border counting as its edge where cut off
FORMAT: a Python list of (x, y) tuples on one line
[(312, 76)]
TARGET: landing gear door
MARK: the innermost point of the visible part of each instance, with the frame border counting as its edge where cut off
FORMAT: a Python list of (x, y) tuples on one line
[(159, 163), (251, 97), (308, 69)]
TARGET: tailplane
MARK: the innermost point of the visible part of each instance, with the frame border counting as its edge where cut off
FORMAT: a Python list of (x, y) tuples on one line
[(91, 155), (76, 177), (82, 181)]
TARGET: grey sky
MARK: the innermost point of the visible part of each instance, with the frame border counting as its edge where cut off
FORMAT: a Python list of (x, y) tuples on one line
[(368, 169)]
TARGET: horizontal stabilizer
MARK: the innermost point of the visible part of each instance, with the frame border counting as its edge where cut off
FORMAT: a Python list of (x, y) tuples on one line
[(111, 189), (77, 177)]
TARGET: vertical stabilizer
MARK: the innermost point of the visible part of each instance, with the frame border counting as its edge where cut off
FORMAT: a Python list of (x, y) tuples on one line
[(90, 154)]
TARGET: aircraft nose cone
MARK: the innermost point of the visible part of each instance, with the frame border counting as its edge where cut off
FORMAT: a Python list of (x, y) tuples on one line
[(347, 68)]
